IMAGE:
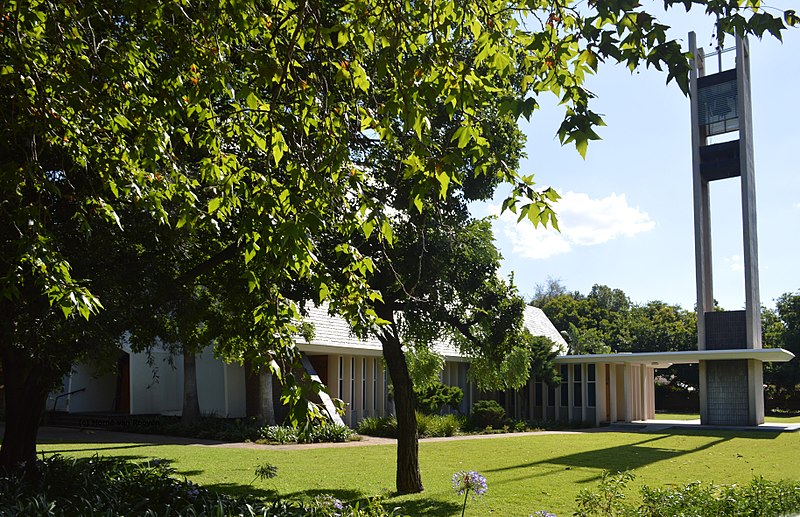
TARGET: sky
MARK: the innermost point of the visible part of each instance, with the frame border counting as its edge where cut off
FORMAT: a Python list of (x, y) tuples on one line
[(626, 213)]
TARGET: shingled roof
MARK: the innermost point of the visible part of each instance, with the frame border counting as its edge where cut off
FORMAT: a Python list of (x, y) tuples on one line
[(333, 333)]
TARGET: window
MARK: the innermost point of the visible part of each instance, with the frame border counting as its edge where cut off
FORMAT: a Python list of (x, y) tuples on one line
[(341, 375), (537, 393), (577, 393), (364, 384), (591, 386), (352, 379), (375, 374), (564, 385)]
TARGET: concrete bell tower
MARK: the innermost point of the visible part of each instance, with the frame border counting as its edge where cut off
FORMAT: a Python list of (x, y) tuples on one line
[(731, 391)]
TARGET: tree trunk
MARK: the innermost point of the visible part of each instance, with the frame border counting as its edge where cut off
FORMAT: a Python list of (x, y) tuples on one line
[(191, 404), (27, 385), (408, 479), (266, 407)]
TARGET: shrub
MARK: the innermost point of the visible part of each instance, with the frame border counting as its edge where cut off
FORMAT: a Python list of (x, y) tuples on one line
[(760, 497), (427, 426), (277, 434), (326, 433), (444, 425), (487, 413), (385, 427), (432, 399)]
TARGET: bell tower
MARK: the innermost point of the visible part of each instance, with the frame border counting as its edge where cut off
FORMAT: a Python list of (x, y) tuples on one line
[(731, 391)]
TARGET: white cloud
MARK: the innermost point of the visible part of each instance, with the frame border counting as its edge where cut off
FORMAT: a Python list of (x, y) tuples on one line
[(796, 205), (584, 221), (735, 263)]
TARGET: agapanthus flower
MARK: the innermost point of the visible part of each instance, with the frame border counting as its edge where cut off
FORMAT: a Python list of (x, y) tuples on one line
[(465, 482)]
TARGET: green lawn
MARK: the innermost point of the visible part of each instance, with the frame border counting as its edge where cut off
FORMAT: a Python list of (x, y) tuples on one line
[(677, 416), (787, 418), (524, 473)]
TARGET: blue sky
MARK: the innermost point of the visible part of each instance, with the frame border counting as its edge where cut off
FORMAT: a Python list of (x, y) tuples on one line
[(626, 214)]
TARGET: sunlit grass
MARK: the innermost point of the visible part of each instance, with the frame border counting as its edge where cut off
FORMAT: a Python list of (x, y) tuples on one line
[(525, 473), (677, 416), (779, 418)]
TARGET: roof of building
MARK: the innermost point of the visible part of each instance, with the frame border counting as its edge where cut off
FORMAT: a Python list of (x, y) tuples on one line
[(333, 332), (665, 359)]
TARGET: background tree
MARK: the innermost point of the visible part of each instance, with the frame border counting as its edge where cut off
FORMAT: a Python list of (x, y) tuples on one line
[(781, 329)]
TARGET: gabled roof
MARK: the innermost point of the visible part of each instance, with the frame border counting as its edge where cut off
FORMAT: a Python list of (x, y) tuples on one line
[(538, 324), (332, 333)]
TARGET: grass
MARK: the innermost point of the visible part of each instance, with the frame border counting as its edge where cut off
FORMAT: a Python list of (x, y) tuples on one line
[(525, 473), (677, 416), (775, 418)]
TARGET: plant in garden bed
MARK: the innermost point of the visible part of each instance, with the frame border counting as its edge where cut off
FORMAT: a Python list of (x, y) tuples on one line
[(760, 497), (487, 414), (466, 482), (277, 434), (320, 433), (428, 426)]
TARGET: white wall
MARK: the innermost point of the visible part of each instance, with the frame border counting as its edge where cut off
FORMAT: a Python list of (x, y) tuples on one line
[(99, 393), (157, 388), (235, 397), (210, 384)]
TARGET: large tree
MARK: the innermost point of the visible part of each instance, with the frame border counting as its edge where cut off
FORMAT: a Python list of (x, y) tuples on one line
[(206, 114)]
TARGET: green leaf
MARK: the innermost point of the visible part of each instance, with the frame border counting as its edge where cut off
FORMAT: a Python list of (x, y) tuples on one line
[(123, 121), (444, 183), (367, 228), (387, 232), (581, 144), (214, 205), (418, 203)]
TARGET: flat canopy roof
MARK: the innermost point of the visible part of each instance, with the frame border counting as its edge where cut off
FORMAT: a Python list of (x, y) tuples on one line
[(664, 359)]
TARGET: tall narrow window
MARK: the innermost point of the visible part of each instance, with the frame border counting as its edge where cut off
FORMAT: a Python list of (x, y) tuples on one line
[(564, 385), (341, 375), (577, 393), (375, 374), (591, 386), (537, 394), (352, 382), (364, 384)]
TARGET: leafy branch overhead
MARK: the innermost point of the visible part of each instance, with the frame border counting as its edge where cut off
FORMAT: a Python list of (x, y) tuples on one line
[(204, 112)]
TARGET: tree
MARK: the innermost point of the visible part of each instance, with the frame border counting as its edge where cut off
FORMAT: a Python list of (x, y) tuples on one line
[(255, 116), (545, 292), (659, 327), (596, 323), (442, 283), (782, 330)]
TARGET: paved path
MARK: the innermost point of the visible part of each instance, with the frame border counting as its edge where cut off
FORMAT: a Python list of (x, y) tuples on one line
[(72, 435)]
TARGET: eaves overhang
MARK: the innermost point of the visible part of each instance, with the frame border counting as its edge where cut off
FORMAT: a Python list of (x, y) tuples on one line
[(665, 359)]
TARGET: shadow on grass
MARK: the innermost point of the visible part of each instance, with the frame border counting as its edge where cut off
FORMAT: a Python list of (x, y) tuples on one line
[(237, 489), (723, 434), (629, 456), (425, 507), (189, 472), (109, 448), (349, 496)]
